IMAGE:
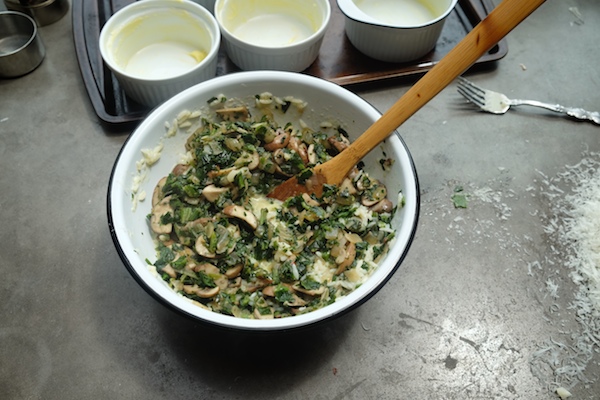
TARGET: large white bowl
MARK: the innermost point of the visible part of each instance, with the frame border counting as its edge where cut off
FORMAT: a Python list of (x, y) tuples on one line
[(168, 33), (395, 31), (283, 35), (326, 101)]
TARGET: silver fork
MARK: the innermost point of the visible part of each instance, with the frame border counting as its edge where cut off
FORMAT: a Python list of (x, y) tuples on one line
[(497, 103)]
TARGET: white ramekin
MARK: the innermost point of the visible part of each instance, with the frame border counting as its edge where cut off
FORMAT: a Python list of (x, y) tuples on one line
[(390, 42), (144, 23), (296, 55)]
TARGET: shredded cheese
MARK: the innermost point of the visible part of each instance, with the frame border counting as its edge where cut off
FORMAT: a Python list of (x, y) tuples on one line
[(573, 227)]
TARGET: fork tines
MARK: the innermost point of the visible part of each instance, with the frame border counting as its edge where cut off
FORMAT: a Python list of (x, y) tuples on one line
[(471, 92)]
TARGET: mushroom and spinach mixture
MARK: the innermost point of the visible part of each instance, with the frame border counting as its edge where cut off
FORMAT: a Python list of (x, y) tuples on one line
[(224, 244)]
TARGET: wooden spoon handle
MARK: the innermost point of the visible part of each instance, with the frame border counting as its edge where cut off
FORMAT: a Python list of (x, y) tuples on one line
[(506, 16)]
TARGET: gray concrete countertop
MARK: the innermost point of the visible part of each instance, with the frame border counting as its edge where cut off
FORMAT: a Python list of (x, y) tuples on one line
[(471, 313)]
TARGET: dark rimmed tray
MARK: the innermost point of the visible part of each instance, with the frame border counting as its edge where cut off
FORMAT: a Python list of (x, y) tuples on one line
[(338, 60)]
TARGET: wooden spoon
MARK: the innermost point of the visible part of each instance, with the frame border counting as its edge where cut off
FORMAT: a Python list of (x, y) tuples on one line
[(506, 16)]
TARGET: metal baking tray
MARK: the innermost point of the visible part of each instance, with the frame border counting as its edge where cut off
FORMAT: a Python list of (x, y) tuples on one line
[(338, 60)]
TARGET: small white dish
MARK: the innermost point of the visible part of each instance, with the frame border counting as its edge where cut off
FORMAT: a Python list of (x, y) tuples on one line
[(157, 48), (273, 34), (395, 30)]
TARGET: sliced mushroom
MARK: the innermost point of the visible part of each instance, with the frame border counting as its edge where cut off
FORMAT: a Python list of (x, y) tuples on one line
[(188, 255), (374, 194), (162, 208), (181, 169), (354, 172), (299, 147), (207, 268), (267, 163), (212, 192), (202, 248), (309, 200), (204, 293), (269, 291), (169, 270), (368, 201), (158, 195), (236, 282), (312, 154), (222, 282), (192, 200), (213, 271), (201, 226), (371, 238), (349, 259), (311, 292), (340, 143), (345, 198), (362, 181), (255, 161), (280, 158), (233, 143), (234, 272), (187, 233), (384, 206), (249, 160), (281, 140), (226, 236), (352, 237), (197, 223), (348, 186), (258, 315), (296, 302), (232, 176), (234, 114), (251, 287), (186, 252), (165, 239), (241, 213), (226, 176), (221, 172)]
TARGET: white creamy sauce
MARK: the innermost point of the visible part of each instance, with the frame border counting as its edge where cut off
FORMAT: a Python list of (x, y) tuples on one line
[(273, 30), (398, 12), (163, 59)]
